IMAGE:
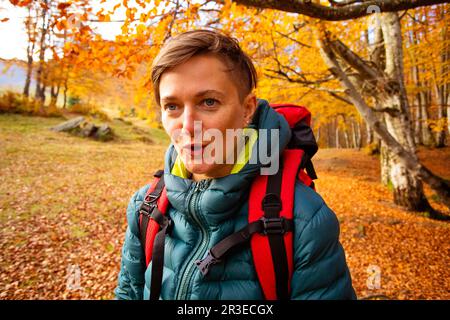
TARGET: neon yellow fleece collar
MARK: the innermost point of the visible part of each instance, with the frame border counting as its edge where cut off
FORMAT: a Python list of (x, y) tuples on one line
[(180, 170)]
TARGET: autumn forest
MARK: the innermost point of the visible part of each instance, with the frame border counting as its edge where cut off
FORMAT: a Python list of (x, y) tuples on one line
[(375, 76)]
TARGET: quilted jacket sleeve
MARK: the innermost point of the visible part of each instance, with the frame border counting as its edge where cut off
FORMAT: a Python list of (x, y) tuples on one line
[(132, 269), (320, 268)]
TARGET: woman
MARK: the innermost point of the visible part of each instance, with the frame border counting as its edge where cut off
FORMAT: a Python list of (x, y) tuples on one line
[(204, 84)]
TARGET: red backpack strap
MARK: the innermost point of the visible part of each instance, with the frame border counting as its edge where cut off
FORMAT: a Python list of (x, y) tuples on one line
[(306, 179), (273, 254), (269, 231), (153, 227)]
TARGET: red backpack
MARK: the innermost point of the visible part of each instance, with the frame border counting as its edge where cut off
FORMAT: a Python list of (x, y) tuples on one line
[(270, 227)]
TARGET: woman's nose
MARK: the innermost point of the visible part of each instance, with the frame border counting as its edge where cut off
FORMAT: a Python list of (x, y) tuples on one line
[(191, 125)]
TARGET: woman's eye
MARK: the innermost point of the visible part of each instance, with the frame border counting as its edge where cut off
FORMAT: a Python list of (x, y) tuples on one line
[(171, 107), (210, 102)]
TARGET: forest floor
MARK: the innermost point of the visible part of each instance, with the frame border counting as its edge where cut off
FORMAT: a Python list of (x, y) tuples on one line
[(63, 201)]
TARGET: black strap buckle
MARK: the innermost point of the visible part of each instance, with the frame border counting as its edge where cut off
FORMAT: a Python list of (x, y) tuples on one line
[(168, 224), (151, 197), (206, 263), (149, 204), (273, 225), (158, 174), (147, 208), (271, 201)]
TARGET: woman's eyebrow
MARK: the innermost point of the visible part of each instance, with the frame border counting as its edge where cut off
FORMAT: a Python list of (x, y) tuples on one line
[(168, 98), (206, 92)]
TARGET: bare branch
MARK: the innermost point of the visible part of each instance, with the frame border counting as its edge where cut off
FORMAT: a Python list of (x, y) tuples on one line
[(294, 40), (339, 97)]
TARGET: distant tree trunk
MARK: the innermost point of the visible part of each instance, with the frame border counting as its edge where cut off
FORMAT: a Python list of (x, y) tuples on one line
[(417, 103), (369, 138), (329, 137), (417, 120), (30, 24), (354, 138), (40, 89), (442, 88), (66, 88), (347, 140), (440, 135), (448, 109), (425, 101), (356, 129), (345, 132), (26, 89), (338, 145), (422, 131), (65, 72), (54, 93), (318, 135), (359, 136)]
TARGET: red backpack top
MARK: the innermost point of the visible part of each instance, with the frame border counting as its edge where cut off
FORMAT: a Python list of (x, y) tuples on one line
[(271, 225)]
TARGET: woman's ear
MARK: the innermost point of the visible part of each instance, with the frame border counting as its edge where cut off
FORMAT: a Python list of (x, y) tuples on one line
[(250, 105)]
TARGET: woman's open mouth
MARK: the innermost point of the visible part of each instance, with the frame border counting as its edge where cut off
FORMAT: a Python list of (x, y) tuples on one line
[(194, 149)]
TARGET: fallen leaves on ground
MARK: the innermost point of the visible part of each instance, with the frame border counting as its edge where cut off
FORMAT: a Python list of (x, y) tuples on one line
[(63, 201)]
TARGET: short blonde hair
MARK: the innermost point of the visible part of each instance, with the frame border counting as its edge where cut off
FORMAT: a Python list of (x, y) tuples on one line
[(186, 45)]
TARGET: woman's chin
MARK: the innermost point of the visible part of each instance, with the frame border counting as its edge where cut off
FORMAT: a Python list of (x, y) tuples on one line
[(200, 168), (205, 170)]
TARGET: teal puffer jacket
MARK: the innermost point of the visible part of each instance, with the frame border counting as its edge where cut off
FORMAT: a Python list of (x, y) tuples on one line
[(207, 211)]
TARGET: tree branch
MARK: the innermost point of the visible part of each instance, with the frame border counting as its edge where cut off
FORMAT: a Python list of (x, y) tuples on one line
[(343, 3), (353, 60), (349, 9), (294, 40)]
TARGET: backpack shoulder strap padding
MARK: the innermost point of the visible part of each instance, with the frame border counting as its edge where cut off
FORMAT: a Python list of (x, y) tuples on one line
[(260, 245), (155, 198)]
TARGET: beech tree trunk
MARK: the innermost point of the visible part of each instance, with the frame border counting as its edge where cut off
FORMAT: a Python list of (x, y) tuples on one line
[(407, 188), (399, 161)]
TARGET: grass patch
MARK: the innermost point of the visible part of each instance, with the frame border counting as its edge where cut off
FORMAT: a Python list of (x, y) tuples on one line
[(16, 123), (27, 125)]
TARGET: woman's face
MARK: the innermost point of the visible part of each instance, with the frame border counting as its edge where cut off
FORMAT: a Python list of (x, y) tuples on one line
[(201, 90)]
